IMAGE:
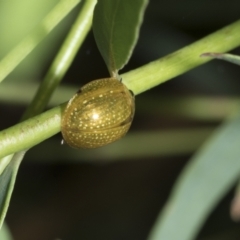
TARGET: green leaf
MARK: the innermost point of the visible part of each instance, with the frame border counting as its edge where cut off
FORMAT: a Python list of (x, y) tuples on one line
[(5, 233), (223, 56), (208, 176), (116, 27), (7, 181), (17, 54)]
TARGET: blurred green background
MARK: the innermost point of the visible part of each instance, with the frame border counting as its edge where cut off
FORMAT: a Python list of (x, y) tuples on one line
[(116, 192)]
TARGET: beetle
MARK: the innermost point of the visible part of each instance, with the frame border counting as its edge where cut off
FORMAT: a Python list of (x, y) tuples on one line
[(100, 113)]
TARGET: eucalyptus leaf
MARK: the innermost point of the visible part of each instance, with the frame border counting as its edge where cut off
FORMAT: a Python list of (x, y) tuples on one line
[(5, 233), (7, 181), (116, 27), (223, 56), (23, 48), (204, 181)]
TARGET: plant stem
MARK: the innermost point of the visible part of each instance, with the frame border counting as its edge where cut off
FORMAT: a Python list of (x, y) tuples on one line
[(181, 61), (138, 80), (63, 59), (30, 132)]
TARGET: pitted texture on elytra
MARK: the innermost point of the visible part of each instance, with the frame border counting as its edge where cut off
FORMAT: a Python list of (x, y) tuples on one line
[(99, 114)]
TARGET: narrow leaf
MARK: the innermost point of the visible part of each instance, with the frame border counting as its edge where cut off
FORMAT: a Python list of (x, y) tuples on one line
[(210, 174), (17, 54), (116, 27), (7, 181), (5, 233), (223, 56)]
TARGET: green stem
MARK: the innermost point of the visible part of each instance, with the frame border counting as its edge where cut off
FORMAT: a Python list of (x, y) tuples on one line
[(138, 81), (30, 132), (63, 59), (181, 61)]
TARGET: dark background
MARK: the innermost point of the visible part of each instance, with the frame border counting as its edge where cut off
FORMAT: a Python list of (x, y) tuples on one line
[(121, 199)]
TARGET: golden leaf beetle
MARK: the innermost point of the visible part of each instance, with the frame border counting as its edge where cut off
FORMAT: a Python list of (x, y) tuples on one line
[(99, 114)]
